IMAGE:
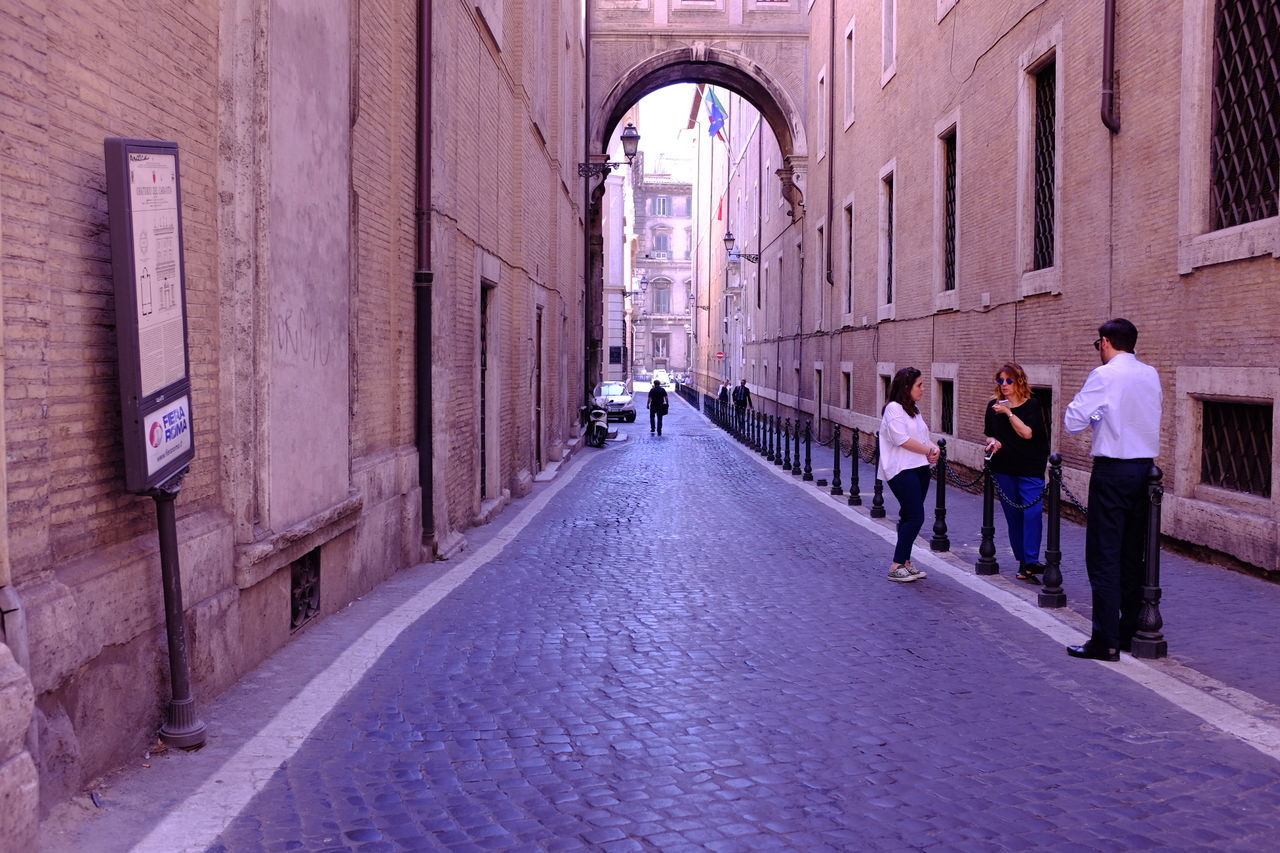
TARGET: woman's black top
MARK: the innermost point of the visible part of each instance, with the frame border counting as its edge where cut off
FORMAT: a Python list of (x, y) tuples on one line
[(1018, 456)]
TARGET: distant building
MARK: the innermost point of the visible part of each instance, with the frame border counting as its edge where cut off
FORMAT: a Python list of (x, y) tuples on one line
[(663, 308)]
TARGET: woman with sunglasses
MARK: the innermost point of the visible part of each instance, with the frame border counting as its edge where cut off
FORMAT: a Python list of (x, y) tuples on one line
[(1018, 444)]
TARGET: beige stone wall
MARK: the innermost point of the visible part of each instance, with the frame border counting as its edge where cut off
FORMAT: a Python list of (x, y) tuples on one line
[(508, 216), (298, 196)]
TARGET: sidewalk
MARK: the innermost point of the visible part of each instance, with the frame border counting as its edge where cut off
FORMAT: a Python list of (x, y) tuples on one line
[(1218, 622)]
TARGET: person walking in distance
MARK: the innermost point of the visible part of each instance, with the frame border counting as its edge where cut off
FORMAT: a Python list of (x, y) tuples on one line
[(741, 402), (1019, 444), (1121, 403), (906, 452), (722, 399), (657, 406)]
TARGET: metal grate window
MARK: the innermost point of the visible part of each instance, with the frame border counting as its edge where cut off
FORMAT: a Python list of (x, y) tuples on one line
[(1246, 109), (947, 402), (888, 245), (1236, 446), (304, 589), (1045, 177), (949, 211), (1044, 396)]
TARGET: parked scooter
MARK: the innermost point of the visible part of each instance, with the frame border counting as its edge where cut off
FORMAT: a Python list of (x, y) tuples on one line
[(596, 419)]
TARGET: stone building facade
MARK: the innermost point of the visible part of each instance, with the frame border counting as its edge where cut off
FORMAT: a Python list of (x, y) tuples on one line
[(663, 262), (317, 254), (970, 197)]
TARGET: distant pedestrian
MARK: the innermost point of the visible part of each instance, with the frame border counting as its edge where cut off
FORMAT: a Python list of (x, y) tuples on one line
[(657, 406), (906, 452), (1121, 402), (1019, 442), (722, 400), (741, 402)]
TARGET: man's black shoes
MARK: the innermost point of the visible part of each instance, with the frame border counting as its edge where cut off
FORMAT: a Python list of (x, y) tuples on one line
[(1092, 652)]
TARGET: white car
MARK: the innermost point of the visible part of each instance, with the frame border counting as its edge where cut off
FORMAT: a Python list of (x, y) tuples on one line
[(616, 399), (662, 376)]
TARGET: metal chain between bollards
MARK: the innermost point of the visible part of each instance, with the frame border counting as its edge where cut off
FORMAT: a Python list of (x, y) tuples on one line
[(1009, 502), (956, 481), (1084, 510)]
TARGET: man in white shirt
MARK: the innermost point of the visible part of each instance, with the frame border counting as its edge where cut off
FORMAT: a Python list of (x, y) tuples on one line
[(1120, 402)]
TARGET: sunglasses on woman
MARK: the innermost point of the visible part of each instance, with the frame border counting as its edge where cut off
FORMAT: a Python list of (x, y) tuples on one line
[(1000, 380)]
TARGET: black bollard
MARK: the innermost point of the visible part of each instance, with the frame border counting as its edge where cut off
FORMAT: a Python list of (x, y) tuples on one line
[(786, 445), (1149, 643), (877, 492), (835, 463), (987, 564), (768, 437), (855, 490), (808, 451), (1051, 595), (778, 441), (795, 460), (940, 542)]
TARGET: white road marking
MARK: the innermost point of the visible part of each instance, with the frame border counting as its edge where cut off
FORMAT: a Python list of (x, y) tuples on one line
[(196, 823)]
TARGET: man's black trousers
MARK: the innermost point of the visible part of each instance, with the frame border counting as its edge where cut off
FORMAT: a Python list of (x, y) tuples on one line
[(1115, 546)]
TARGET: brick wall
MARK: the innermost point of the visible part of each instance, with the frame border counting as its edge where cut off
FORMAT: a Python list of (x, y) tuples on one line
[(1118, 231)]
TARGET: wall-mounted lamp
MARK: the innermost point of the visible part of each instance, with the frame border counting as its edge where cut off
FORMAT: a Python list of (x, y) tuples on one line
[(734, 254), (630, 142)]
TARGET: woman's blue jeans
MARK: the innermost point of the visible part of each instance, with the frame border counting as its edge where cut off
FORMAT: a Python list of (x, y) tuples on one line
[(1025, 525), (909, 487)]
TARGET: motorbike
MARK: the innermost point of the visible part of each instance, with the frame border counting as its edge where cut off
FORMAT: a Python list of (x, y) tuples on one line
[(596, 420)]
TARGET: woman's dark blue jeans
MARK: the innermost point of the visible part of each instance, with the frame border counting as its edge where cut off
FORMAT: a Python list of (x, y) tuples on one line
[(909, 487)]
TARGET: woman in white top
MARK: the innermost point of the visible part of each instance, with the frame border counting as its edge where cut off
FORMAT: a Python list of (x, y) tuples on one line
[(906, 452)]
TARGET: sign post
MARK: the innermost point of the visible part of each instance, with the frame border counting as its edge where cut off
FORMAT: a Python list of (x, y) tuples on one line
[(144, 201)]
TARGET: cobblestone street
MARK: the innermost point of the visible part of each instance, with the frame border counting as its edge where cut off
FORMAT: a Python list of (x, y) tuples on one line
[(682, 651)]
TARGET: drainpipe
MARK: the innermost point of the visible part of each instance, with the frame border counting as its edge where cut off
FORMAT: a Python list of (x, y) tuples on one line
[(423, 275), (1110, 116), (831, 146), (831, 207), (588, 314)]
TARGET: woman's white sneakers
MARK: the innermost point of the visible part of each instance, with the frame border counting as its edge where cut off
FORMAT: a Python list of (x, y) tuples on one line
[(903, 574), (907, 573)]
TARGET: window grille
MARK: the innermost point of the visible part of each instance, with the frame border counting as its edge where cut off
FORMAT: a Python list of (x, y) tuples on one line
[(949, 211), (1236, 446), (662, 346), (304, 589), (1045, 177), (1044, 396), (947, 402), (1246, 109), (888, 237)]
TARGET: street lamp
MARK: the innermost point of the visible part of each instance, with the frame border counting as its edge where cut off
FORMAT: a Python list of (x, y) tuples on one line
[(734, 254), (630, 142)]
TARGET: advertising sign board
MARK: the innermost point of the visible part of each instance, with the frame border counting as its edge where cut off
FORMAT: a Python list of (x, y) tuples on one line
[(144, 199)]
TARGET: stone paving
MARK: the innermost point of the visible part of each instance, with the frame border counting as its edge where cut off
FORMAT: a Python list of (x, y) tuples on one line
[(682, 653), (683, 656)]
